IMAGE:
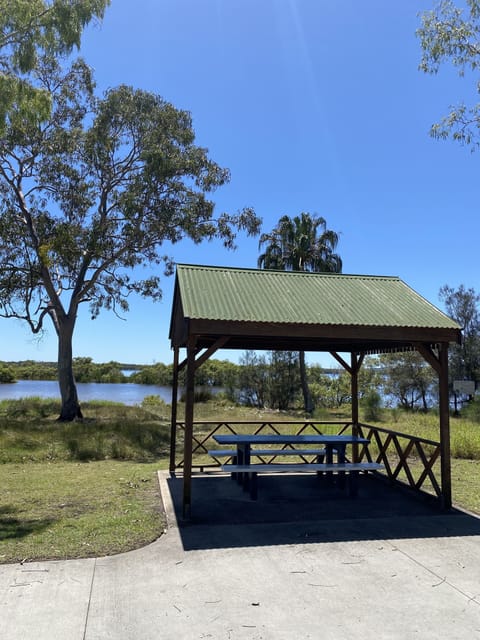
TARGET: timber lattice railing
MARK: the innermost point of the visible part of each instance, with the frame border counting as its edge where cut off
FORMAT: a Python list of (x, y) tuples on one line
[(408, 459)]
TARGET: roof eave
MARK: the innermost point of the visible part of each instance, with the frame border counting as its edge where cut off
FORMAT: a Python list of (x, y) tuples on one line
[(316, 337)]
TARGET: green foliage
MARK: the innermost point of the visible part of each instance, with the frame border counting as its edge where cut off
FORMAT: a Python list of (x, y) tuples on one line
[(283, 380), (85, 370), (6, 374), (156, 405), (30, 28), (109, 431), (213, 373), (301, 243), (159, 373), (26, 408), (111, 372), (253, 379), (451, 34), (92, 193), (29, 31), (33, 370), (409, 379), (332, 391), (216, 373), (372, 404), (462, 305), (471, 411), (270, 380), (200, 395)]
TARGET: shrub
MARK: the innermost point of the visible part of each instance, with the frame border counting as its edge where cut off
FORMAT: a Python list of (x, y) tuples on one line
[(372, 405), (153, 402), (472, 411), (201, 395), (6, 375)]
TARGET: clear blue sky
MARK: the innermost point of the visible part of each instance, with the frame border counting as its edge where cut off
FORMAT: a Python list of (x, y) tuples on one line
[(314, 105)]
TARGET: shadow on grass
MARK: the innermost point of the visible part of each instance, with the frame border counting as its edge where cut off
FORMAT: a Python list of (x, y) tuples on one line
[(12, 527)]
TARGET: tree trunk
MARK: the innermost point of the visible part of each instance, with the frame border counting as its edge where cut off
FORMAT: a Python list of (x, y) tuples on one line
[(307, 398), (68, 389)]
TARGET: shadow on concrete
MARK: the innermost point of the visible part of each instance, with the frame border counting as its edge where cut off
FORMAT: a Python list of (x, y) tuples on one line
[(300, 509)]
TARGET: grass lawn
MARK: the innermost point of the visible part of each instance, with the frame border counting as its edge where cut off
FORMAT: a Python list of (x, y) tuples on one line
[(75, 510), (81, 489), (466, 484)]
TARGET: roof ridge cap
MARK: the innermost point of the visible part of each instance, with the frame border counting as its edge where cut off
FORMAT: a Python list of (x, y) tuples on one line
[(285, 273)]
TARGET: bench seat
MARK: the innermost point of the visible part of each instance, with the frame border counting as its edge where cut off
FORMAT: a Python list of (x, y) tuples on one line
[(218, 453), (350, 468)]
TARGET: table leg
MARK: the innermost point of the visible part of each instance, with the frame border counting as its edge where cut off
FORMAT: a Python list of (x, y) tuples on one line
[(341, 459), (239, 460), (244, 452)]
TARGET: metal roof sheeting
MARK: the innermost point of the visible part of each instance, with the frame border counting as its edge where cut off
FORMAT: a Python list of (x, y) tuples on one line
[(254, 295)]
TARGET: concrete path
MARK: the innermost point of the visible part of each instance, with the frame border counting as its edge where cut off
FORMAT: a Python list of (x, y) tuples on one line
[(307, 582)]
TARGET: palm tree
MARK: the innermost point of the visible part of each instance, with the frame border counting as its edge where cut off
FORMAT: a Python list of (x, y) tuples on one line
[(302, 243)]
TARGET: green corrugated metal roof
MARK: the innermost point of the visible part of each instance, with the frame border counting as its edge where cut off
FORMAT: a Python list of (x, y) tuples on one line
[(253, 295)]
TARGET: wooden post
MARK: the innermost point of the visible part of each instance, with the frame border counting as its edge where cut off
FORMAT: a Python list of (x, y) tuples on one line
[(173, 426), (187, 453), (354, 391), (444, 410)]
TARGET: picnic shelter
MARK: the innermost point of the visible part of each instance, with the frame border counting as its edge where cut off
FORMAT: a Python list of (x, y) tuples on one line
[(348, 316)]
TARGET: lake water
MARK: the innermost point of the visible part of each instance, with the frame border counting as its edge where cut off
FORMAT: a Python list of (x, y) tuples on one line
[(128, 393)]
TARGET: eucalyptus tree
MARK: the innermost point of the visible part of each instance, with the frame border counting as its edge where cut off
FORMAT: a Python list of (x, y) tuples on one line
[(462, 305), (450, 33), (301, 243), (283, 379), (88, 197), (409, 379), (28, 30)]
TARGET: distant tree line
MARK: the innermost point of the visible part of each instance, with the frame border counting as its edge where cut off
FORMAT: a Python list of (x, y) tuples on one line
[(274, 379), (271, 379), (213, 373)]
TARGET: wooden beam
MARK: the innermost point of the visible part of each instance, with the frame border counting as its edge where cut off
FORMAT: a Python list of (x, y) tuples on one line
[(358, 361), (219, 344), (295, 333), (340, 360), (426, 351)]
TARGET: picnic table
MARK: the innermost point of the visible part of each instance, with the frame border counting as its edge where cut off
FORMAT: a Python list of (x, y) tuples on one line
[(245, 445)]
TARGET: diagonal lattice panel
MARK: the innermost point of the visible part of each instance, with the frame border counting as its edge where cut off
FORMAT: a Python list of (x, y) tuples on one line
[(403, 455), (428, 471), (411, 456)]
